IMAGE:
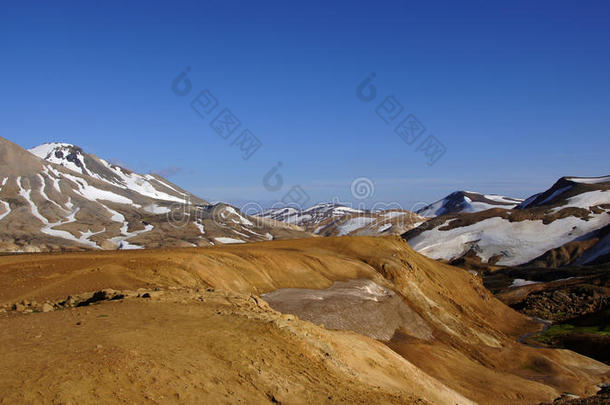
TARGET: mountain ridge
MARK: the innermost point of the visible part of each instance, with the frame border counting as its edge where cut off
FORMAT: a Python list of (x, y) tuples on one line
[(573, 209), (334, 219), (467, 201)]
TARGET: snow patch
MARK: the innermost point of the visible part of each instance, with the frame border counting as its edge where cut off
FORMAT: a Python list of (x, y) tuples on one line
[(586, 200), (94, 194), (520, 282), (242, 220), (353, 224), (141, 185), (200, 227), (384, 228), (121, 241), (7, 207), (115, 216), (228, 240), (157, 210), (26, 194)]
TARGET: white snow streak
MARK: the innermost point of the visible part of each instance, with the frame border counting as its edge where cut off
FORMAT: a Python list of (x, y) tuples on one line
[(229, 240)]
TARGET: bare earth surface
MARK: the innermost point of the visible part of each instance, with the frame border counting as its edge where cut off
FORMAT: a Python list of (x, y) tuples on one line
[(190, 326)]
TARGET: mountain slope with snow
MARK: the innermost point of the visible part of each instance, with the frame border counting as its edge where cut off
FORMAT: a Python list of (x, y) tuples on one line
[(331, 219), (310, 217), (572, 210), (75, 159), (467, 201), (57, 197)]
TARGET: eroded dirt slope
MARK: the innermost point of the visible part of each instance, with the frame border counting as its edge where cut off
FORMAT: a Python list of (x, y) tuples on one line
[(227, 345)]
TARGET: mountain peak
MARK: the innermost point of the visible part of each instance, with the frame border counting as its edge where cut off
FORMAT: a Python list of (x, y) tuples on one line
[(70, 156), (467, 201)]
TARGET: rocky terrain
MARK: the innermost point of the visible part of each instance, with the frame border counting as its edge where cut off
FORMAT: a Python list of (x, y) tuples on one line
[(238, 324), (601, 398), (56, 197), (573, 302)]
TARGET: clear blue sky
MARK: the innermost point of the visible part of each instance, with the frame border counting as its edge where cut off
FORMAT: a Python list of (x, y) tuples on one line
[(518, 92)]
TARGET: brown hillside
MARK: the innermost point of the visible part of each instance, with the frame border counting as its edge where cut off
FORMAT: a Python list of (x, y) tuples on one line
[(207, 336)]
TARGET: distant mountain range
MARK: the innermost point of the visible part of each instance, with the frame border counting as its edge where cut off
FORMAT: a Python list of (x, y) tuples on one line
[(568, 224), (332, 219), (57, 197)]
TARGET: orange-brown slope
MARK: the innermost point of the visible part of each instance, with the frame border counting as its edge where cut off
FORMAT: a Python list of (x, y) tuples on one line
[(207, 347), (472, 349)]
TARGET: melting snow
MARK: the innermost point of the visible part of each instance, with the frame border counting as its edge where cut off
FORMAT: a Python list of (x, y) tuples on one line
[(121, 241), (229, 240), (152, 178), (517, 242), (48, 227), (141, 185), (84, 239), (353, 224), (33, 208), (519, 282), (44, 194), (242, 220), (115, 215), (586, 200), (93, 194), (200, 227), (384, 228), (7, 207), (157, 210)]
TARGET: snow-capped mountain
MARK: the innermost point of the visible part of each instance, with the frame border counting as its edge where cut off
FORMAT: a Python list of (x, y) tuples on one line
[(311, 217), (75, 159), (371, 223), (332, 219), (573, 211), (467, 201), (57, 197)]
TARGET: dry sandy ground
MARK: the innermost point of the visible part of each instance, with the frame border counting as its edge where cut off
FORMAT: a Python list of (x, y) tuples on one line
[(206, 336)]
